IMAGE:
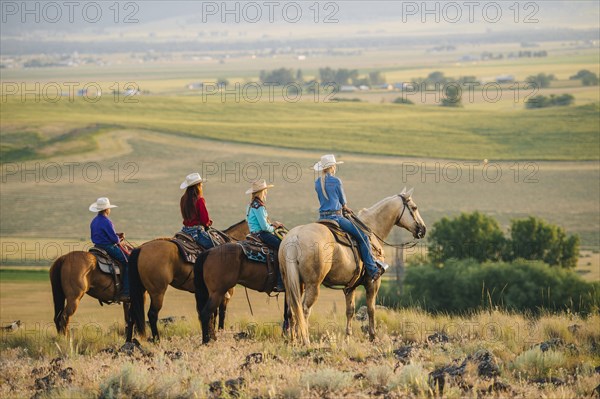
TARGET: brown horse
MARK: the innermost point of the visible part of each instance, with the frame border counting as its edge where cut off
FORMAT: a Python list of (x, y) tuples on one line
[(72, 276), (215, 273), (152, 268)]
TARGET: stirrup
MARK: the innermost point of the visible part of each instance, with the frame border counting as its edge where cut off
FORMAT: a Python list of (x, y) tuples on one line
[(384, 266)]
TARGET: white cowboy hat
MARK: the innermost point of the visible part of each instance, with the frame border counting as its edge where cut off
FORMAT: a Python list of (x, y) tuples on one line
[(190, 180), (101, 204), (259, 185), (326, 162)]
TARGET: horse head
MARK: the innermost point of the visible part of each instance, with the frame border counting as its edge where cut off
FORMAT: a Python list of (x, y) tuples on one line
[(409, 217)]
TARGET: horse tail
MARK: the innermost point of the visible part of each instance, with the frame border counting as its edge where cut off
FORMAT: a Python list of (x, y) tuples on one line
[(289, 265), (136, 292), (200, 288), (58, 295)]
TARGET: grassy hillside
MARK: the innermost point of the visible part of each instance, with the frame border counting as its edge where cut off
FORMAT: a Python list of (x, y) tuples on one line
[(550, 134)]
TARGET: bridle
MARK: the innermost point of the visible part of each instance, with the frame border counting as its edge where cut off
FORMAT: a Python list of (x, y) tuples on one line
[(407, 244)]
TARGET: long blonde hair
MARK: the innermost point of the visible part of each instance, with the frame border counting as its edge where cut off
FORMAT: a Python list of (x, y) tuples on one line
[(261, 195), (328, 171)]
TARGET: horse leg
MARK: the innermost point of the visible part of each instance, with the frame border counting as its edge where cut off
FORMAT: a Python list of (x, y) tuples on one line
[(70, 308), (156, 303), (223, 309), (372, 289), (128, 324), (207, 316), (310, 297), (349, 310)]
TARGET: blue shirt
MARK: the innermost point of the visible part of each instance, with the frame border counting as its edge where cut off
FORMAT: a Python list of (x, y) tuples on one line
[(256, 216), (103, 231), (335, 192)]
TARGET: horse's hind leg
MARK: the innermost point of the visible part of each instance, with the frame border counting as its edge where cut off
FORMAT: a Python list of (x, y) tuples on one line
[(156, 303), (207, 317), (223, 309), (310, 297), (349, 310), (70, 308)]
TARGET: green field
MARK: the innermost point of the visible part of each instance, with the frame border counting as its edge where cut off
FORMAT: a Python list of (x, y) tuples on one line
[(383, 129)]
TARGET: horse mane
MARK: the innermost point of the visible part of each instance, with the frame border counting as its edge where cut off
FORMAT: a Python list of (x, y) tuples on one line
[(235, 224)]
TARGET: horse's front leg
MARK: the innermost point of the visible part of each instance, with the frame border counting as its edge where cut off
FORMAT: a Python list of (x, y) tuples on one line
[(349, 310), (372, 289)]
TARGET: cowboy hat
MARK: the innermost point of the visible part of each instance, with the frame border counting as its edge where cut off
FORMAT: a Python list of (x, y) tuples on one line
[(326, 162), (190, 180), (101, 204), (259, 185)]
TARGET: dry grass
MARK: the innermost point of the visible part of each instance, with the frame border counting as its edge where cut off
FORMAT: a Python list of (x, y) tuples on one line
[(180, 367)]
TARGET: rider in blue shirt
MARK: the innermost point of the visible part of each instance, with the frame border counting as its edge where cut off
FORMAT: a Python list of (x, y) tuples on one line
[(105, 237), (332, 200), (259, 224)]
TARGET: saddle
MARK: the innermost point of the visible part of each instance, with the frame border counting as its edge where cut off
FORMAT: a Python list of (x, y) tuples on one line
[(188, 247), (107, 264), (255, 250), (345, 239)]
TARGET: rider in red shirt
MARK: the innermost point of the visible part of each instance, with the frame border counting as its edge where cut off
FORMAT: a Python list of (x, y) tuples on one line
[(196, 219)]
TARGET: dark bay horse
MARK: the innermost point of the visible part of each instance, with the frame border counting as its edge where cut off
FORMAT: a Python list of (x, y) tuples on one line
[(72, 276), (216, 272), (152, 268)]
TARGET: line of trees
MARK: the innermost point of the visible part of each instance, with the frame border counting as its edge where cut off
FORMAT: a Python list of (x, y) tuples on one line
[(552, 100), (478, 236), (339, 77)]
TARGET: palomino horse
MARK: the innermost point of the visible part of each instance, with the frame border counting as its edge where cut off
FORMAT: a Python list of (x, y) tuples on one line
[(309, 255), (153, 267), (72, 276), (217, 271)]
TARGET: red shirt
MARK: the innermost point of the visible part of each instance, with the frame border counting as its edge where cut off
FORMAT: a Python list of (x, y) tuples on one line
[(201, 215)]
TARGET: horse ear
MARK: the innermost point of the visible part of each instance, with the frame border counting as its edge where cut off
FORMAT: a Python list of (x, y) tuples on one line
[(409, 193), (403, 191)]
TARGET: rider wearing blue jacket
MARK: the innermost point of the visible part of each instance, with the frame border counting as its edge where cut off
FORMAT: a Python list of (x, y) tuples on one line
[(333, 204)]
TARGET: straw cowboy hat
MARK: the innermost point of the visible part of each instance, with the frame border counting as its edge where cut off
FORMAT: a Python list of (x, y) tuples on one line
[(101, 204), (190, 180), (259, 185), (326, 162)]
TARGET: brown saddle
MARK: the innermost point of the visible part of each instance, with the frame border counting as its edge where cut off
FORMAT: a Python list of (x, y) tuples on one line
[(106, 263), (188, 247), (257, 251), (109, 265), (347, 240)]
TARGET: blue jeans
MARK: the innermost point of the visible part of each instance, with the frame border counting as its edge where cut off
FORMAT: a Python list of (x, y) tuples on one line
[(114, 251), (271, 240), (200, 236), (364, 245)]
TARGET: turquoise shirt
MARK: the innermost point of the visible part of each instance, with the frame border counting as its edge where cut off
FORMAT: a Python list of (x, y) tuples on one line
[(256, 216)]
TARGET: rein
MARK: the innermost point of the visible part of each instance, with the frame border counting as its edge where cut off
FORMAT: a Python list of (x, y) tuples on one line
[(407, 244)]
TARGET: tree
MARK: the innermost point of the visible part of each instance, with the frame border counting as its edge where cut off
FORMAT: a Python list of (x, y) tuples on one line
[(402, 100), (534, 239), (299, 76), (326, 75), (376, 78), (452, 96), (473, 235), (541, 80), (588, 78), (281, 76)]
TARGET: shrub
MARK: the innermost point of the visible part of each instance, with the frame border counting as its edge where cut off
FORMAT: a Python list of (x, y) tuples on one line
[(473, 235), (541, 80), (534, 239), (552, 101), (402, 100), (588, 78), (464, 285)]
